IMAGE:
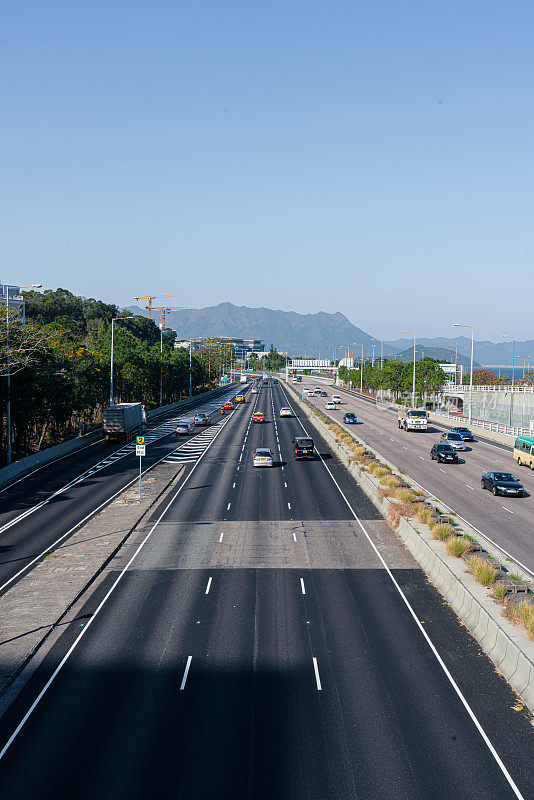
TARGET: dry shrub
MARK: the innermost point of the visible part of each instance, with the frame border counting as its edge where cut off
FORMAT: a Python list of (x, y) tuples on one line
[(398, 510), (456, 546), (383, 491), (484, 573), (381, 471), (406, 495), (499, 591), (442, 531), (424, 514), (392, 481), (524, 612)]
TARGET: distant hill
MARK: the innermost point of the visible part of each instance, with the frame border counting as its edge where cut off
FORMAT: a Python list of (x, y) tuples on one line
[(298, 334), (485, 352), (441, 354)]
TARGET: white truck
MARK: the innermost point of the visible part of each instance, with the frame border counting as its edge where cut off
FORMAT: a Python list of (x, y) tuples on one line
[(412, 419), (123, 421), (243, 379)]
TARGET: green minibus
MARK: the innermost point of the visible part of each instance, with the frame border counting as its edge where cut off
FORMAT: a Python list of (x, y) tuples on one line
[(524, 451)]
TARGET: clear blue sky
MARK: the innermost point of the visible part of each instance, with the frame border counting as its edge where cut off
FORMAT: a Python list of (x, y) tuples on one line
[(371, 158)]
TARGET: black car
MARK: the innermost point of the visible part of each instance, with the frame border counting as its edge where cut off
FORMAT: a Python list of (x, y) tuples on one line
[(444, 452), (304, 447), (502, 483)]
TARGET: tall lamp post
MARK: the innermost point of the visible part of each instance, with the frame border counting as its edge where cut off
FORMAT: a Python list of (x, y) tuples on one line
[(114, 319), (7, 287), (190, 371), (505, 336), (460, 325), (413, 381)]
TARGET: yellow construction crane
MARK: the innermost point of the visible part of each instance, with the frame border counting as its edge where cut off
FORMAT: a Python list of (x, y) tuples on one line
[(151, 297), (164, 310)]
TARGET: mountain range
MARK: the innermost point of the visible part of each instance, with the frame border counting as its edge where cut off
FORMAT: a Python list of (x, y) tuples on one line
[(325, 335)]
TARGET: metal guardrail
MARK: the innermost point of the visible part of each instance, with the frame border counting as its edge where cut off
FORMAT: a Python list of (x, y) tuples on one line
[(464, 388), (496, 427)]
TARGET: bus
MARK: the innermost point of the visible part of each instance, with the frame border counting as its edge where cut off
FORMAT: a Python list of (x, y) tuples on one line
[(524, 451)]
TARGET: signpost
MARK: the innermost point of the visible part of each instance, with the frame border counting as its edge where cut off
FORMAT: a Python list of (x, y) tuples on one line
[(140, 450)]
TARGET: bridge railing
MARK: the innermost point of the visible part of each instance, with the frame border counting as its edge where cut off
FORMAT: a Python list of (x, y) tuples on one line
[(464, 388)]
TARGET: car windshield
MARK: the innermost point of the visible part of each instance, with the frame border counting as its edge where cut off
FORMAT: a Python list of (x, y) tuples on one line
[(305, 442), (462, 430), (455, 437), (417, 414), (503, 476), (445, 448)]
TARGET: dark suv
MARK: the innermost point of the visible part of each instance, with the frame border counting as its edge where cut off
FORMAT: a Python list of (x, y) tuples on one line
[(304, 447), (444, 452)]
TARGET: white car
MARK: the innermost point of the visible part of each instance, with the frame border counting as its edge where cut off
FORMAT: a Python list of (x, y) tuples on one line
[(330, 406), (336, 398), (262, 457), (253, 390), (286, 412), (454, 439), (318, 389)]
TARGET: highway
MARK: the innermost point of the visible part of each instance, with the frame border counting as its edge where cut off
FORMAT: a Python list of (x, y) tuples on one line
[(266, 635), (507, 521), (41, 510)]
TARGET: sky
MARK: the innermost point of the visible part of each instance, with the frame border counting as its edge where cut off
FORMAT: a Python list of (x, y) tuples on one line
[(368, 158)]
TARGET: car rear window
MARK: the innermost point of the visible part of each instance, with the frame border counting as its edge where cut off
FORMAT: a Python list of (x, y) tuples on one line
[(454, 436), (263, 452), (305, 442)]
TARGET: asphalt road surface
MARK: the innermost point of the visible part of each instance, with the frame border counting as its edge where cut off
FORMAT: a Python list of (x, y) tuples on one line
[(508, 521), (251, 643)]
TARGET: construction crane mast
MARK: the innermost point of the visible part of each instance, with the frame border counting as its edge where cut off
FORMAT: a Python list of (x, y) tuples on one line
[(151, 297), (164, 310)]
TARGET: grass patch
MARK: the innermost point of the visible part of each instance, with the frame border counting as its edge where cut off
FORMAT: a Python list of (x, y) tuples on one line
[(525, 616), (483, 572), (442, 531), (456, 546), (469, 537), (391, 480), (424, 514), (405, 495), (514, 576), (499, 591)]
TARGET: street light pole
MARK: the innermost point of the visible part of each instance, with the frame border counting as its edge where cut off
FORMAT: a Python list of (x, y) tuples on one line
[(190, 373), (7, 287), (161, 366), (413, 381), (505, 336), (459, 325), (361, 374)]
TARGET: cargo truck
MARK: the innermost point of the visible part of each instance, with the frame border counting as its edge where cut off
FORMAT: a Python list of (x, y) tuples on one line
[(124, 421), (412, 419)]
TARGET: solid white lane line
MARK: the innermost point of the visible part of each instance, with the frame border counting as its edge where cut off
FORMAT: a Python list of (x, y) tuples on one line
[(428, 640), (98, 609), (507, 509), (289, 506), (302, 587), (317, 678), (228, 506), (208, 586), (186, 672)]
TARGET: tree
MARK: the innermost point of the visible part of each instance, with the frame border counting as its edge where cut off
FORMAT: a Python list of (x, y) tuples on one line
[(27, 341)]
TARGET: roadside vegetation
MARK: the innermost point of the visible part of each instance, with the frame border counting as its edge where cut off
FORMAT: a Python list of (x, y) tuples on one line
[(396, 376), (60, 367)]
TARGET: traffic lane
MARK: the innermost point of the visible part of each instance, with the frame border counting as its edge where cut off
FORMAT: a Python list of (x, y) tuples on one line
[(26, 540), (117, 717), (313, 495), (388, 705), (258, 492), (505, 520)]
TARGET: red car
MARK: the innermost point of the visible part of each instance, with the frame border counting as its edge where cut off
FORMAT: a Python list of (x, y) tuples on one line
[(258, 417), (228, 407)]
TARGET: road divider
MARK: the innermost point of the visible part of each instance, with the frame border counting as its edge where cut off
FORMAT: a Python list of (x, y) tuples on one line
[(431, 536)]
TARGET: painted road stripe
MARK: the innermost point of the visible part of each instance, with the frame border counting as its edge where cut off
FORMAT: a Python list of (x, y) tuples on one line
[(186, 672), (208, 586), (469, 487), (221, 537), (303, 588), (289, 506), (294, 536), (507, 509), (317, 678)]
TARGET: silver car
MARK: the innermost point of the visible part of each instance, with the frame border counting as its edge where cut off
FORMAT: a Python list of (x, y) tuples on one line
[(263, 457), (185, 428), (454, 439)]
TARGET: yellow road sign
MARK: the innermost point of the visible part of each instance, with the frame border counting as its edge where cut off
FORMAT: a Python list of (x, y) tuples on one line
[(140, 440)]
